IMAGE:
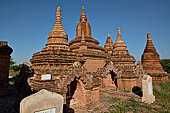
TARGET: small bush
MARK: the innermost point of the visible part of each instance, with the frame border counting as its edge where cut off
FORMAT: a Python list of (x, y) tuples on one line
[(133, 102)]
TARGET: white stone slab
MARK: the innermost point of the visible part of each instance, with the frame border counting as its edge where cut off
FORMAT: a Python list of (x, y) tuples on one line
[(42, 102), (150, 88), (147, 90), (46, 77)]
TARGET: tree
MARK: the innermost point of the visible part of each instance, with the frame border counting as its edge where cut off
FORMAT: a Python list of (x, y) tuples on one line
[(166, 65), (14, 68), (12, 62)]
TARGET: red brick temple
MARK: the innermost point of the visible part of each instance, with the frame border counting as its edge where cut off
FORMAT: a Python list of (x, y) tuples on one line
[(151, 62), (79, 68)]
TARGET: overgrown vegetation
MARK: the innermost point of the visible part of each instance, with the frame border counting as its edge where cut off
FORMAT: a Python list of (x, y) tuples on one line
[(166, 65), (162, 94), (131, 105), (14, 70)]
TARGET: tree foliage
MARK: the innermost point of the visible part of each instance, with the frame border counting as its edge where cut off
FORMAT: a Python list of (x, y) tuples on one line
[(166, 64), (12, 62), (14, 67)]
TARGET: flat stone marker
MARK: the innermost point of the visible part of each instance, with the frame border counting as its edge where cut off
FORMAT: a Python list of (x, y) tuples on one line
[(42, 102), (147, 89)]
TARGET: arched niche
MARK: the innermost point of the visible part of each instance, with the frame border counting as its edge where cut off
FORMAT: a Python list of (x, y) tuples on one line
[(110, 75)]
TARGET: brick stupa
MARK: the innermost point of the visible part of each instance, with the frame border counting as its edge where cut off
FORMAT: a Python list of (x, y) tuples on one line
[(121, 56), (84, 43), (151, 62), (125, 62), (109, 45), (57, 51), (55, 56)]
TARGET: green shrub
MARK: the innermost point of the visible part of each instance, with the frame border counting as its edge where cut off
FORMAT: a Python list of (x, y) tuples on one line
[(165, 64)]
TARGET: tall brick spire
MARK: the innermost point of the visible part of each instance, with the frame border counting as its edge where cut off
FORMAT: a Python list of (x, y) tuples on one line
[(119, 46), (151, 62), (149, 46), (109, 40), (119, 38), (58, 38), (122, 57), (109, 44), (58, 26)]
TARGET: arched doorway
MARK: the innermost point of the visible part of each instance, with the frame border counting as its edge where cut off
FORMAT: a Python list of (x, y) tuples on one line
[(76, 94), (110, 80), (71, 90), (114, 79)]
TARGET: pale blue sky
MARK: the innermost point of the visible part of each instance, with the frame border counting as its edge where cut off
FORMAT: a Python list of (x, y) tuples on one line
[(25, 24)]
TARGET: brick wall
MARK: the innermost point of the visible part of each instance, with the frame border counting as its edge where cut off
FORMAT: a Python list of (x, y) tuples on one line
[(93, 64), (126, 84), (160, 79)]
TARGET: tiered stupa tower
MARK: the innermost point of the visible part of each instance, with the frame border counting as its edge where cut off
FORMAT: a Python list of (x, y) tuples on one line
[(125, 62), (109, 45), (57, 39), (120, 55), (57, 50), (151, 62), (55, 56), (84, 43)]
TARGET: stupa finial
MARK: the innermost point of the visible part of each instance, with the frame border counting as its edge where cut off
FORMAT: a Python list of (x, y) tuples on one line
[(119, 38), (58, 25), (83, 15), (108, 39), (58, 15), (109, 43), (118, 31), (148, 36)]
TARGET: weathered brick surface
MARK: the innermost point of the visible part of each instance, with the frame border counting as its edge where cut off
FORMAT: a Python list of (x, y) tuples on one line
[(5, 52), (151, 62), (92, 65), (127, 83)]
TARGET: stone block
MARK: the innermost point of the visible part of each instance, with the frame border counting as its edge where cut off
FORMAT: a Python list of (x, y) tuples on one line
[(42, 102), (147, 89)]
